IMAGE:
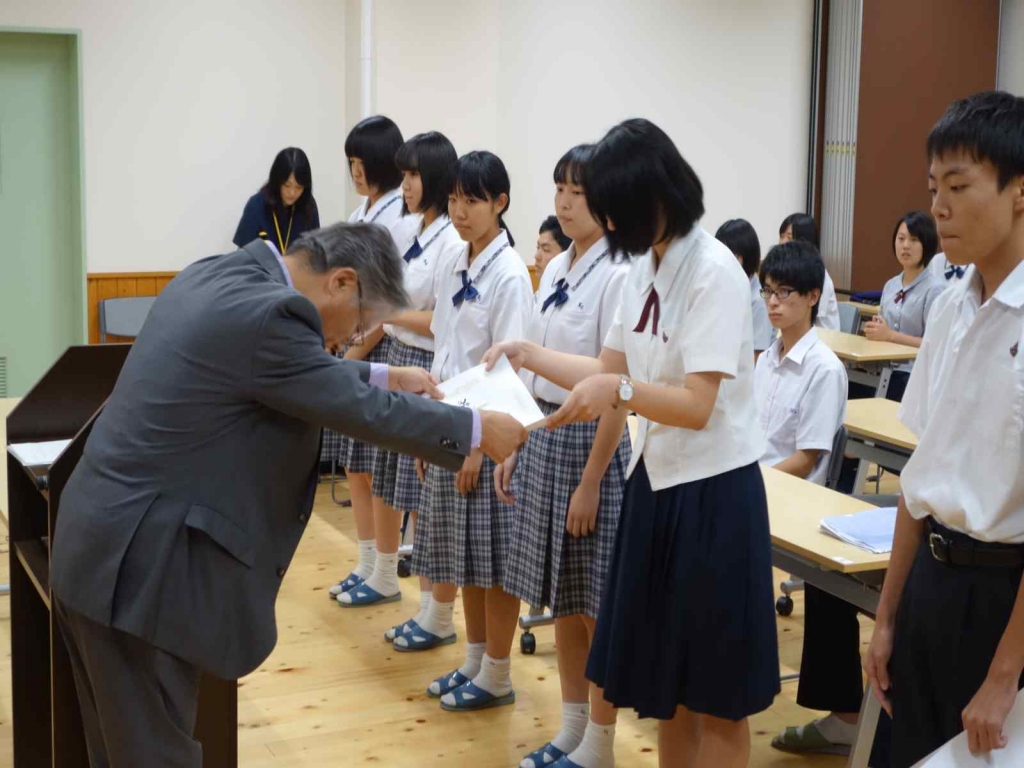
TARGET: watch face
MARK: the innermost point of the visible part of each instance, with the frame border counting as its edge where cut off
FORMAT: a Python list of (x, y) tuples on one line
[(625, 391)]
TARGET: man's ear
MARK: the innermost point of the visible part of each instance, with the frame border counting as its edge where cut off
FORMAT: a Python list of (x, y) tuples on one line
[(341, 279), (815, 296), (1017, 186)]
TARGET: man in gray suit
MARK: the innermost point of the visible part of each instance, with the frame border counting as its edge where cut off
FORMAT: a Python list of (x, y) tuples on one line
[(198, 479)]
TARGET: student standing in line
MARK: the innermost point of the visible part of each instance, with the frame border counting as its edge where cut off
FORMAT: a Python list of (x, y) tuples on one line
[(568, 483), (801, 226), (463, 536), (551, 241), (742, 240), (693, 536), (427, 162), (948, 647), (284, 208), (370, 148), (907, 298)]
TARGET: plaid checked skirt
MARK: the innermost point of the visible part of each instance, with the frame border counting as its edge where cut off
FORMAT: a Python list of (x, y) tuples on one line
[(394, 475), (546, 565), (352, 454), (462, 541)]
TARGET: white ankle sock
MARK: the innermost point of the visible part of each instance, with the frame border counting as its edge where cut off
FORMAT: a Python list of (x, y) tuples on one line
[(474, 656), (837, 731), (367, 557), (574, 724), (495, 676), (425, 598), (597, 750), (385, 574), (439, 621)]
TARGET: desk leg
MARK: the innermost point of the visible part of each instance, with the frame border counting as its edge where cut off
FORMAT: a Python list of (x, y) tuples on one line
[(870, 709), (863, 466), (883, 381)]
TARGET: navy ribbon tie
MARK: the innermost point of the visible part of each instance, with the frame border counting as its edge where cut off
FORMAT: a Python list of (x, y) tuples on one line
[(413, 252), (653, 305), (954, 270), (558, 298), (467, 292)]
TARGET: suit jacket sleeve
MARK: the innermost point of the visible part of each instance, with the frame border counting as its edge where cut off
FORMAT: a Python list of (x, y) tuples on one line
[(292, 373)]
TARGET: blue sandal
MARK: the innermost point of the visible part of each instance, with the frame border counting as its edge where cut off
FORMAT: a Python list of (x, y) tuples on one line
[(565, 762), (349, 583), (472, 698), (398, 630), (364, 595), (418, 639), (446, 684), (546, 756)]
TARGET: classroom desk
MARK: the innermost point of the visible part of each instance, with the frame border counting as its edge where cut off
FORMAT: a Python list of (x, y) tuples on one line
[(876, 434), (867, 362), (795, 509), (6, 406)]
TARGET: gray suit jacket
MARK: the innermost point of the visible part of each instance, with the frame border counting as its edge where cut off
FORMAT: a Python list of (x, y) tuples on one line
[(198, 478)]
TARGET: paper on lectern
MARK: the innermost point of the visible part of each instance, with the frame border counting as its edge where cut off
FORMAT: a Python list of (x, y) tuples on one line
[(499, 390), (956, 754), (38, 454)]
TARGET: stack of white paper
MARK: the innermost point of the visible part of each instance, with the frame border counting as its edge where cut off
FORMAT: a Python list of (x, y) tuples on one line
[(38, 454), (871, 529), (500, 390), (956, 754)]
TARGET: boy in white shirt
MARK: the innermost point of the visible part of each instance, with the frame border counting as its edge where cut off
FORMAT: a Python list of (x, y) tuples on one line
[(948, 647)]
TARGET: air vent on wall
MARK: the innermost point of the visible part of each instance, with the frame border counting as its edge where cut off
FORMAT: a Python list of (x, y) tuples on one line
[(3, 376)]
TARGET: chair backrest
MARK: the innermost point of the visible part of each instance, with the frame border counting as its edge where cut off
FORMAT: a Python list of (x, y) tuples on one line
[(849, 318), (124, 317), (835, 459)]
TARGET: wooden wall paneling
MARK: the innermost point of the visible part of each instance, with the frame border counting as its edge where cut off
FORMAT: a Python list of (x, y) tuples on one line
[(120, 285)]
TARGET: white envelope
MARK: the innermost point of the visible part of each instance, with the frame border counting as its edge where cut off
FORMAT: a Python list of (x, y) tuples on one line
[(499, 390), (955, 753)]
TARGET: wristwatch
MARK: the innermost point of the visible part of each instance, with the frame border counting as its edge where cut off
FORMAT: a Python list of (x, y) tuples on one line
[(625, 390)]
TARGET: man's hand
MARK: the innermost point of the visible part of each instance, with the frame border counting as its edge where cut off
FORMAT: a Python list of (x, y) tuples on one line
[(421, 470), (876, 664), (414, 380), (582, 518), (503, 478), (515, 351), (588, 400), (986, 714), (467, 478), (500, 435)]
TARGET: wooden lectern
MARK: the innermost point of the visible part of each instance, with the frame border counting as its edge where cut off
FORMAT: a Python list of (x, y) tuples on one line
[(63, 405)]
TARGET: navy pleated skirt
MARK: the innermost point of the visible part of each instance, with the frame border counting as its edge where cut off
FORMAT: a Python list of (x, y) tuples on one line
[(688, 616)]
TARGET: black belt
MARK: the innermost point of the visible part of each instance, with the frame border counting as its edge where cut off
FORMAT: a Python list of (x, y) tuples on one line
[(955, 548)]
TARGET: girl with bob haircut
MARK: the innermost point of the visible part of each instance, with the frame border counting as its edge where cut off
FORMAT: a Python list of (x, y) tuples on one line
[(741, 239), (462, 540), (693, 536), (284, 208), (801, 226), (568, 486)]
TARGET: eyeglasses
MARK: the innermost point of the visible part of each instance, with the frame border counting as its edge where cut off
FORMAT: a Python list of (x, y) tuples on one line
[(359, 337), (782, 293)]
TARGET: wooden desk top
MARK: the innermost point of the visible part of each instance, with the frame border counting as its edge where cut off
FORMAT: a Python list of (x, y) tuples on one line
[(6, 406), (795, 509), (878, 419), (859, 349), (865, 309)]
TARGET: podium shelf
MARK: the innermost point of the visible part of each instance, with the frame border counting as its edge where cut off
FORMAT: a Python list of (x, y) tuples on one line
[(33, 556)]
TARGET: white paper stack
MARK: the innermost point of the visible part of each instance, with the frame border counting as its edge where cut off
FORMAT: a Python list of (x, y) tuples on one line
[(871, 530), (499, 390), (956, 753), (38, 454)]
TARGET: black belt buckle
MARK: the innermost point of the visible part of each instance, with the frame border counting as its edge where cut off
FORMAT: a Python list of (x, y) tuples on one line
[(939, 547)]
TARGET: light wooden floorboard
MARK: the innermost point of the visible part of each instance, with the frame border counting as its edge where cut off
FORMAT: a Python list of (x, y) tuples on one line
[(333, 693)]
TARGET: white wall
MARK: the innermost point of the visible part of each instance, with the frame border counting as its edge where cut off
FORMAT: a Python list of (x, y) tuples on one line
[(1011, 47), (185, 105), (527, 79)]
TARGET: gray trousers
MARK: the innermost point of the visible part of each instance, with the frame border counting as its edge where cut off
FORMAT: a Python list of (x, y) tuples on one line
[(138, 702)]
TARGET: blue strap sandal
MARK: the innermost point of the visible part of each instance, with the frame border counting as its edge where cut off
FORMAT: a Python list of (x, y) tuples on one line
[(445, 684), (565, 762), (350, 582), (398, 629), (418, 639), (364, 595), (472, 698), (544, 757)]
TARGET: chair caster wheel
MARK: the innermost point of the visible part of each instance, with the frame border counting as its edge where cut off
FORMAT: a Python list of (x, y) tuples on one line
[(784, 605), (528, 643)]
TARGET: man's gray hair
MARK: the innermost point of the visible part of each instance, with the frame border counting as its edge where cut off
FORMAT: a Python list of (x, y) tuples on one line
[(366, 248)]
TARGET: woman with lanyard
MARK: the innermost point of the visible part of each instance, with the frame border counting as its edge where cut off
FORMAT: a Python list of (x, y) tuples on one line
[(907, 298), (568, 486), (462, 539), (427, 162), (284, 208), (691, 576), (370, 149)]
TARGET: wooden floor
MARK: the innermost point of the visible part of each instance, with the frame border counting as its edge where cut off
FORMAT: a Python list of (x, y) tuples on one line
[(334, 693)]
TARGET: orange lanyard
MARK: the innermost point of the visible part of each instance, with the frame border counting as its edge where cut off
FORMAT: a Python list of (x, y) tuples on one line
[(284, 243)]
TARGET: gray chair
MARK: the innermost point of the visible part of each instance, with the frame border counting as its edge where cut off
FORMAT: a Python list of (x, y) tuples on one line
[(849, 318), (124, 317)]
